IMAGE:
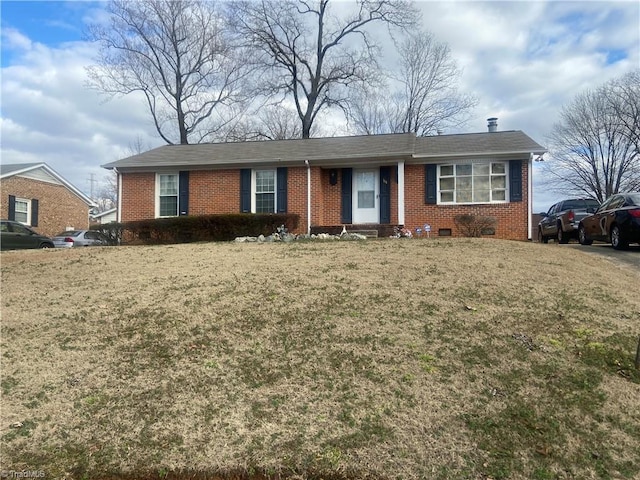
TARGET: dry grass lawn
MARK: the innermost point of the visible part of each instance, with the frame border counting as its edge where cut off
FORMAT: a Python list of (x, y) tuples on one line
[(403, 359)]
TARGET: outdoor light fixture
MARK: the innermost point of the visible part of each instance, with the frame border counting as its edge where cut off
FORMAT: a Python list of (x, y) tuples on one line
[(333, 176)]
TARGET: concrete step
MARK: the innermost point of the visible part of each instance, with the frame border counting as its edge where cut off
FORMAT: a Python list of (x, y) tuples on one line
[(366, 233)]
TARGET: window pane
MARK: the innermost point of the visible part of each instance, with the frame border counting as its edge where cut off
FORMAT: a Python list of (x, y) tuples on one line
[(446, 170), (481, 195), (498, 195), (446, 196), (497, 168), (168, 184), (168, 206), (265, 181), (481, 169), (498, 182), (265, 202), (464, 169), (481, 183), (366, 199), (447, 183), (22, 211), (463, 196), (463, 183)]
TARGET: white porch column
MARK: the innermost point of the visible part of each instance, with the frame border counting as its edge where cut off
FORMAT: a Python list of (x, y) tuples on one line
[(306, 162), (401, 192)]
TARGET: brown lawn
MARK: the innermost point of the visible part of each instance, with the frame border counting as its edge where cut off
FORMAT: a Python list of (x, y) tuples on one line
[(421, 358)]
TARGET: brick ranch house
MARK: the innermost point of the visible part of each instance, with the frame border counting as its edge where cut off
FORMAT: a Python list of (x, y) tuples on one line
[(361, 182), (35, 195)]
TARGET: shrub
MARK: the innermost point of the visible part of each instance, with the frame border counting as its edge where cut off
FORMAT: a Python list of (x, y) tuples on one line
[(475, 226), (201, 228)]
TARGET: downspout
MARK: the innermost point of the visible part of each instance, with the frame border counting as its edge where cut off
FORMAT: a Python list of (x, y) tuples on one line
[(119, 202), (306, 162), (530, 197)]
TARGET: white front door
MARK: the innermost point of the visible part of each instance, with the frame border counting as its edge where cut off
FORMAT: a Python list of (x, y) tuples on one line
[(365, 196)]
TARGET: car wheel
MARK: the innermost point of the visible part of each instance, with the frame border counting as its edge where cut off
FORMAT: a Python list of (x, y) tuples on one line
[(561, 236), (541, 237), (617, 239), (46, 245), (582, 236)]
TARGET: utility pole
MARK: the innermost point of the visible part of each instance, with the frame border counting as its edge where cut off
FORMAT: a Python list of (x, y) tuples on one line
[(92, 181)]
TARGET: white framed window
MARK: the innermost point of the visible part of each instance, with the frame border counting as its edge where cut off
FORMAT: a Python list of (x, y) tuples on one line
[(23, 211), (167, 195), (481, 182), (263, 199)]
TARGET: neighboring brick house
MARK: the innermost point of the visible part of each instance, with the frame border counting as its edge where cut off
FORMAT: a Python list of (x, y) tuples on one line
[(361, 182), (35, 195)]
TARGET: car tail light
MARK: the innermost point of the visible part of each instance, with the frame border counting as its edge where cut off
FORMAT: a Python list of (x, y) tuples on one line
[(68, 239), (571, 215), (635, 213)]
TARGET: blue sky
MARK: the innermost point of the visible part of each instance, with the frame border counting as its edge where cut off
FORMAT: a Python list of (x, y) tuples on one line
[(522, 59)]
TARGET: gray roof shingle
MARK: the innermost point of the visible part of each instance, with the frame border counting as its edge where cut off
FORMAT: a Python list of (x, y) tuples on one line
[(514, 141), (331, 150), (275, 151), (16, 167)]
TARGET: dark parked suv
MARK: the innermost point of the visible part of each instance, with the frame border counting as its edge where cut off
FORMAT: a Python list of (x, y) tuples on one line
[(562, 220)]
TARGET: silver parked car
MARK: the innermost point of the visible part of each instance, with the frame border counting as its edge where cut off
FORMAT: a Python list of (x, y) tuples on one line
[(79, 238)]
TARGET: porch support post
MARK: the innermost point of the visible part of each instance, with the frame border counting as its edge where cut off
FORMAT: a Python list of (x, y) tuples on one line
[(530, 197), (401, 192), (308, 197)]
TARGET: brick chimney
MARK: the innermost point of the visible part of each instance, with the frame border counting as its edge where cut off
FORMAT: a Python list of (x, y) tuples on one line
[(492, 124)]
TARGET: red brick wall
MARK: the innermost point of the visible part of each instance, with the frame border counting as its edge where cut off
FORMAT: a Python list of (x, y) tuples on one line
[(214, 191), (138, 196), (58, 207), (512, 217), (218, 191)]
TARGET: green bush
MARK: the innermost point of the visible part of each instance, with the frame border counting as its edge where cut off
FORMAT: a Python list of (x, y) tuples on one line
[(200, 228)]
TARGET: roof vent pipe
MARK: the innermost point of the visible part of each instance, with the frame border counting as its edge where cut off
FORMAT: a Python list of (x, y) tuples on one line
[(492, 124)]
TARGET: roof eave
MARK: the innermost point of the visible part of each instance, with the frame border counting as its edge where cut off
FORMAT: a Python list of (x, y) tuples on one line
[(477, 154)]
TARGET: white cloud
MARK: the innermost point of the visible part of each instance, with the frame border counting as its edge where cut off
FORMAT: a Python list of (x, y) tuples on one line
[(13, 39), (48, 115)]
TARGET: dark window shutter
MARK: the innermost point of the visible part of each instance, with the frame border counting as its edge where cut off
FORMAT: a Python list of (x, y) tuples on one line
[(346, 213), (515, 180), (281, 200), (183, 195), (34, 213), (431, 184), (385, 194), (245, 190), (12, 207)]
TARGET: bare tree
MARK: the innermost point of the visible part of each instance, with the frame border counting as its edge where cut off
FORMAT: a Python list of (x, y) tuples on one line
[(624, 99), (312, 54), (424, 96), (180, 55), (108, 191), (594, 149), (269, 122)]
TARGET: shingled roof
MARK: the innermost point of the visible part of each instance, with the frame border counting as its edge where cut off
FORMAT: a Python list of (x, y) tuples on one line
[(331, 150), (493, 143)]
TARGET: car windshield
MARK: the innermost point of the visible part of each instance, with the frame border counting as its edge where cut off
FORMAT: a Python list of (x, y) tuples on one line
[(580, 204), (71, 233), (635, 198)]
